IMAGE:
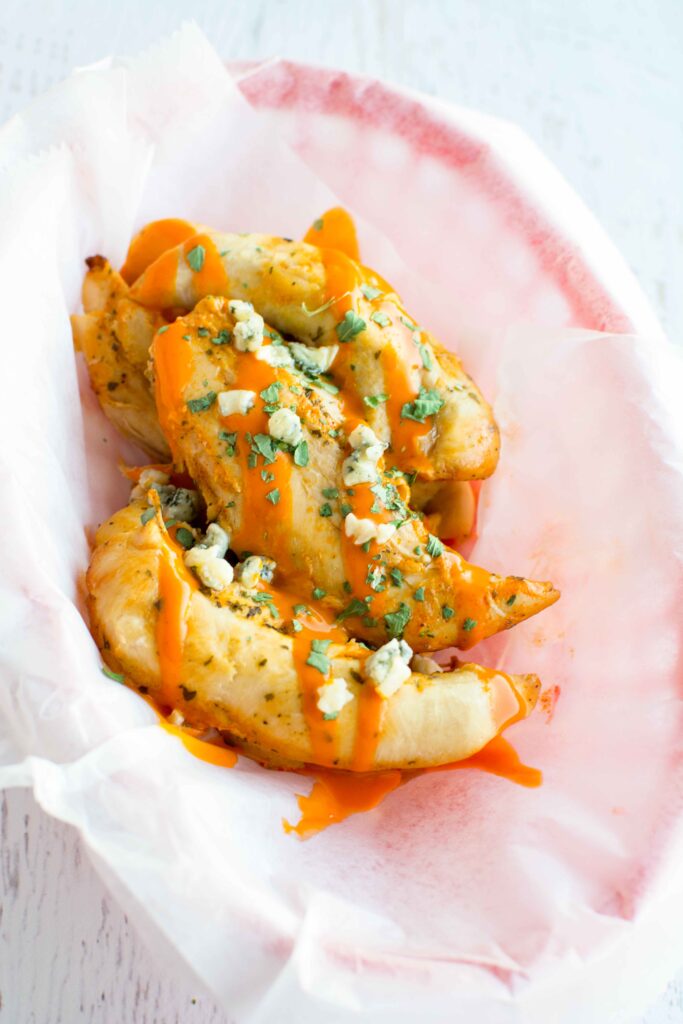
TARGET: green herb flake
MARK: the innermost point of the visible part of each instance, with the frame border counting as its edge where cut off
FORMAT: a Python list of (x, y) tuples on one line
[(264, 444), (202, 403), (184, 537), (273, 496), (374, 400), (196, 257), (434, 546), (230, 438), (469, 624), (345, 508), (317, 659), (296, 626), (419, 594), (427, 403), (116, 676), (380, 318), (252, 460), (318, 224), (347, 587), (351, 325), (203, 332), (330, 716), (511, 599), (267, 476), (396, 577), (319, 593), (397, 621), (271, 393), (447, 612), (162, 330), (426, 357), (300, 609), (353, 610), (222, 338), (370, 293), (148, 514), (301, 454), (330, 492), (325, 510)]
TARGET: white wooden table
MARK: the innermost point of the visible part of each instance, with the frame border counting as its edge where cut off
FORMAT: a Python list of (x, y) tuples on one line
[(598, 85)]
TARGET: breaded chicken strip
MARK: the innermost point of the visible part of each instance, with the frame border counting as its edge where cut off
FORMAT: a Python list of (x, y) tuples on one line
[(114, 335), (232, 657), (418, 399), (291, 472)]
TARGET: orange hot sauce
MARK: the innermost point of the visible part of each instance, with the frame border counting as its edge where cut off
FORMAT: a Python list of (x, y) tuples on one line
[(151, 242)]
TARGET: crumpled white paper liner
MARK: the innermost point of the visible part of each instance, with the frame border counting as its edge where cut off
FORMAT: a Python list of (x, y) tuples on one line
[(462, 895)]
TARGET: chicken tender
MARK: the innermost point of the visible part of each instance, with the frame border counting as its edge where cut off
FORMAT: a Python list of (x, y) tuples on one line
[(114, 335), (291, 471), (251, 660), (415, 394)]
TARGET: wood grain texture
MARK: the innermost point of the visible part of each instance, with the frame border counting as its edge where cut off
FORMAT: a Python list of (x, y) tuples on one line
[(599, 86)]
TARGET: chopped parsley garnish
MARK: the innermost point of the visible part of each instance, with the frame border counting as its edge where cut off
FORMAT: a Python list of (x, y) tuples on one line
[(366, 546), (222, 338), (469, 624), (327, 385), (300, 609), (325, 510), (447, 612), (408, 323), (347, 587), (264, 444), (330, 492), (318, 224), (317, 658), (301, 454), (263, 597), (203, 332), (273, 496), (252, 459), (417, 550), (370, 293), (376, 579), (202, 403), (426, 357), (318, 593), (434, 546), (116, 676), (351, 325), (267, 476), (195, 257), (270, 394), (184, 537), (511, 599), (296, 626), (396, 577), (427, 403), (330, 716), (352, 610), (397, 621), (374, 400), (345, 508), (419, 594), (163, 329), (380, 318), (230, 438), (148, 514)]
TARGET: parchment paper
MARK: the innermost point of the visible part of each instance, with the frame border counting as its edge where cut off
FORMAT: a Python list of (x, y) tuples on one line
[(462, 896)]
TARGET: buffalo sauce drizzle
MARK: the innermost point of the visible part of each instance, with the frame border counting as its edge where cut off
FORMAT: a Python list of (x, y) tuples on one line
[(335, 230), (336, 796), (401, 356), (151, 242), (158, 287)]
